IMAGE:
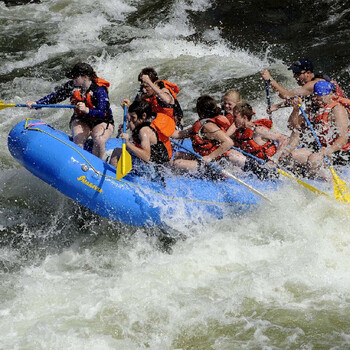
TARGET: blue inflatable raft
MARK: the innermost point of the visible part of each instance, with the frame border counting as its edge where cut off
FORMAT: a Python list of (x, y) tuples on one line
[(135, 200)]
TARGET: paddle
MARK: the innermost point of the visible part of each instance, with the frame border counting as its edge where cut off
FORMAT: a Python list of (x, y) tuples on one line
[(267, 89), (226, 173), (3, 105), (284, 173), (341, 191), (124, 163)]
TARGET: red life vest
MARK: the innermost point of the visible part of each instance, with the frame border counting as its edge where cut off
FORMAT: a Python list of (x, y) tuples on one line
[(343, 101), (230, 118), (244, 140), (338, 90), (322, 127), (204, 146), (158, 106), (87, 99), (163, 126)]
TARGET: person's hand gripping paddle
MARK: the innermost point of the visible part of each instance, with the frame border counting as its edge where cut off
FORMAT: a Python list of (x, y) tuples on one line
[(124, 163)]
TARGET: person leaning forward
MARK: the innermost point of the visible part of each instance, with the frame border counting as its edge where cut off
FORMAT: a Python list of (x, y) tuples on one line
[(303, 73), (92, 115)]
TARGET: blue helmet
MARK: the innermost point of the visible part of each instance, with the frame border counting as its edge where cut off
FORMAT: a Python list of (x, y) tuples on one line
[(322, 88)]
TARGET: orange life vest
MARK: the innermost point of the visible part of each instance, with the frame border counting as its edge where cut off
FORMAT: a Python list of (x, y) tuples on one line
[(244, 140), (204, 146), (322, 127), (163, 126), (87, 99), (158, 106)]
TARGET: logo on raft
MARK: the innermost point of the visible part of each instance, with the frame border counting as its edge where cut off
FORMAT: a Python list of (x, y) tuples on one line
[(87, 183)]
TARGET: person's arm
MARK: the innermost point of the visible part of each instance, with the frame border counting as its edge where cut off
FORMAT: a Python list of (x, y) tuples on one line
[(231, 130), (213, 132), (304, 90), (144, 152), (267, 134), (102, 104), (182, 134), (60, 94), (163, 94)]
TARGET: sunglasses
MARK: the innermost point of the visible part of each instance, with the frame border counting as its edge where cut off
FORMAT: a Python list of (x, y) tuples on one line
[(300, 73)]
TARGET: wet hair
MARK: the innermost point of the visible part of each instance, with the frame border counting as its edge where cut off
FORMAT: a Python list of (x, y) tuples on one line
[(245, 110), (82, 69), (234, 95), (207, 107), (151, 72), (140, 107)]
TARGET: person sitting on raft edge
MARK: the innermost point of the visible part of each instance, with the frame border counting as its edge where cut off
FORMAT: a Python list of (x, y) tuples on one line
[(92, 115), (150, 135), (256, 138), (209, 139), (331, 124)]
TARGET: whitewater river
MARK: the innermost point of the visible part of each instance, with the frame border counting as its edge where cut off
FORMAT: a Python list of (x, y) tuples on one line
[(277, 278)]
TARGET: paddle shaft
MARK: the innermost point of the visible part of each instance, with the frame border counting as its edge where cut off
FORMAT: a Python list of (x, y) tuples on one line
[(45, 106), (282, 172), (313, 133), (124, 141), (267, 89), (224, 172)]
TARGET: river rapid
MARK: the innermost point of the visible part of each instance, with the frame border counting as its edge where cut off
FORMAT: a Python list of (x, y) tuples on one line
[(277, 278)]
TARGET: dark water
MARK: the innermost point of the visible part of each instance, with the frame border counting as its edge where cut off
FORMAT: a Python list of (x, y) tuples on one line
[(274, 279)]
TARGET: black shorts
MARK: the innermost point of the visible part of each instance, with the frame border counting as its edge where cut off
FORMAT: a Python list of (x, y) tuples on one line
[(91, 123)]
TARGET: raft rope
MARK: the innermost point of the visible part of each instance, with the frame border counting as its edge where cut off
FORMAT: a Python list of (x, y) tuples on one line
[(30, 128)]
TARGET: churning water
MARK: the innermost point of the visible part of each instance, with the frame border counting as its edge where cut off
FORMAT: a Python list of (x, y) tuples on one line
[(277, 278)]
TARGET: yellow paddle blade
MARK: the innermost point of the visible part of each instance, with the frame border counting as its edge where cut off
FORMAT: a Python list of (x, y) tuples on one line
[(341, 190), (305, 184), (3, 105), (124, 163)]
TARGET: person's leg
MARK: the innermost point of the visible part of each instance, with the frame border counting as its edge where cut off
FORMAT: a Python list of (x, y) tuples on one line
[(115, 156), (237, 158), (188, 163), (100, 134), (80, 132)]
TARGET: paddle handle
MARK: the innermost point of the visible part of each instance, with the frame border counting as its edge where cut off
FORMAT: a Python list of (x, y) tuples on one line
[(313, 133), (45, 106)]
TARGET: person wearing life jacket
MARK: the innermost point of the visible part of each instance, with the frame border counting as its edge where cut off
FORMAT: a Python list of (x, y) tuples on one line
[(150, 135), (92, 115), (303, 73), (208, 136), (256, 138), (161, 94), (331, 124), (231, 99)]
